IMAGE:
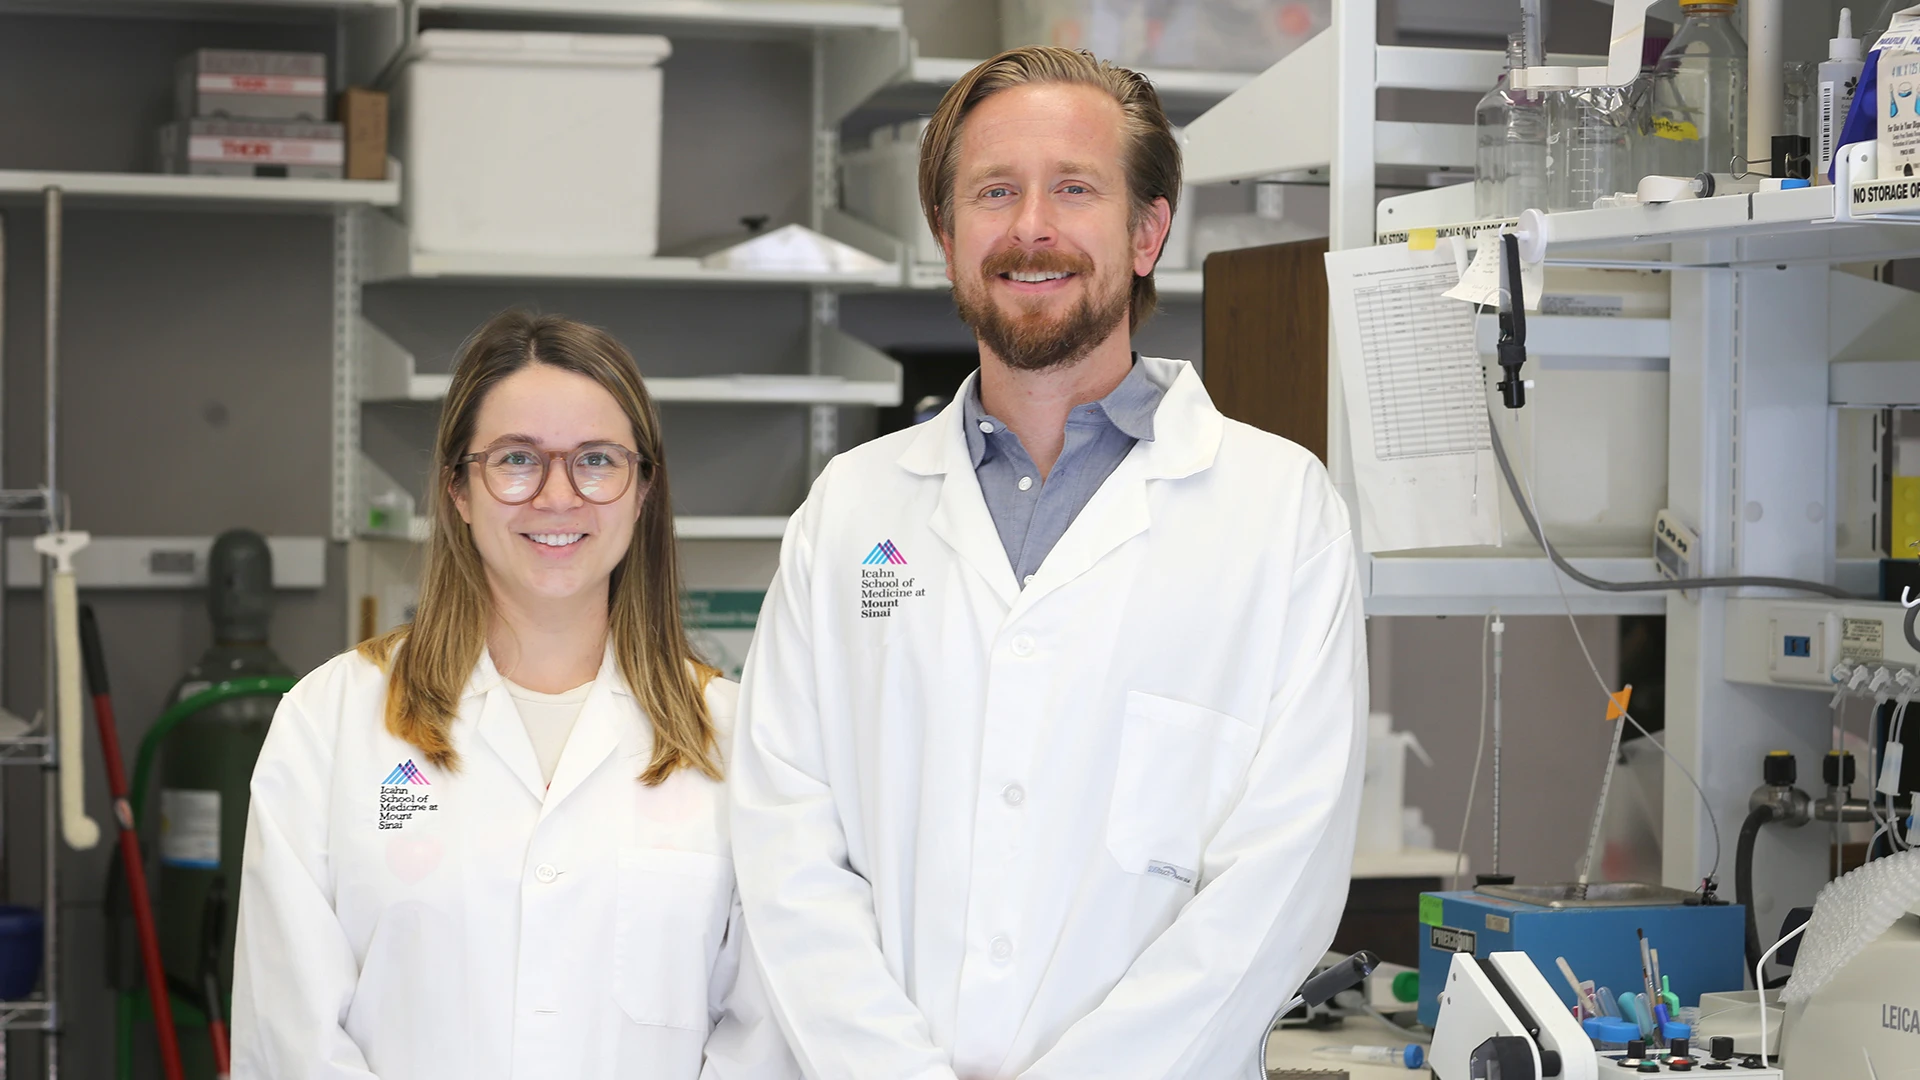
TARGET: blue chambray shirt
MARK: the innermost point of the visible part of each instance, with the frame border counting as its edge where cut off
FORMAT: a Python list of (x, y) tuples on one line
[(1030, 513)]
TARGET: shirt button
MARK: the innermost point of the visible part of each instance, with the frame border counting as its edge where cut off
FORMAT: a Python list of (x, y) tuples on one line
[(1014, 794), (1026, 483), (1022, 646), (1001, 949), (545, 873), (986, 426)]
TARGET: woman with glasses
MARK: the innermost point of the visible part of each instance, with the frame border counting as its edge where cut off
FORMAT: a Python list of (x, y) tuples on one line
[(493, 843)]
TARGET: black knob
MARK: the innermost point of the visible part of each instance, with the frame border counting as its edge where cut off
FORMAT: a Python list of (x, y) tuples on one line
[(1751, 1061), (1637, 1048), (1780, 768), (1837, 768), (1722, 1047), (1679, 1047)]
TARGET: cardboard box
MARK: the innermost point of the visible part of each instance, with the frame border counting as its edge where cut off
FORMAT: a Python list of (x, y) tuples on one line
[(1897, 135), (363, 116), (297, 150), (246, 85)]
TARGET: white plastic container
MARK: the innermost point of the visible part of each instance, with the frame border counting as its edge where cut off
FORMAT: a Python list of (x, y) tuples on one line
[(532, 143), (1383, 789), (1215, 35)]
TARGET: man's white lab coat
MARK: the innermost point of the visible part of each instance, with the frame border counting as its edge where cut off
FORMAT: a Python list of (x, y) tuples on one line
[(1099, 826)]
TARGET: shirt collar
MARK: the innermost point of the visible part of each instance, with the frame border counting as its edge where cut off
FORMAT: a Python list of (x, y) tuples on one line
[(1129, 407)]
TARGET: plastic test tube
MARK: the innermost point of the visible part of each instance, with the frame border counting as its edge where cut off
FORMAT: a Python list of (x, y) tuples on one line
[(1409, 1056)]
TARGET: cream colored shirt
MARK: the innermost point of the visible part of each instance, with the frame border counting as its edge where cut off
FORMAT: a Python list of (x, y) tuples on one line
[(549, 720)]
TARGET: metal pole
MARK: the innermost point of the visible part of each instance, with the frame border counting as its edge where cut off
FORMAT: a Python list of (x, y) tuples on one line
[(1499, 642), (51, 775)]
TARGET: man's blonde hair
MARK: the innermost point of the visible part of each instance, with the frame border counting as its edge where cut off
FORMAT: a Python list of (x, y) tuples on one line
[(1152, 156)]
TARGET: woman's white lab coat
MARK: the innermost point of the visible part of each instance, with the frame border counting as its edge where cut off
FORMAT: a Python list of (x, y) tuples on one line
[(408, 923)]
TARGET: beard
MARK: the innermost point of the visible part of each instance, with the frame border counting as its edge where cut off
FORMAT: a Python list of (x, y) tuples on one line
[(1026, 339)]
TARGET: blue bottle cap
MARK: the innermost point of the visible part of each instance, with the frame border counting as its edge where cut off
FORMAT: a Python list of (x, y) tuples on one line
[(1607, 1029), (1413, 1056), (1792, 182), (1674, 1029)]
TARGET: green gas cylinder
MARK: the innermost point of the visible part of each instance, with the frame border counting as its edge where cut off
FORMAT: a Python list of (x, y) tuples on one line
[(206, 762)]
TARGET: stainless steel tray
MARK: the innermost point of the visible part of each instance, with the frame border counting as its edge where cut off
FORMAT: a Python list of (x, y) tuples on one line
[(1599, 894)]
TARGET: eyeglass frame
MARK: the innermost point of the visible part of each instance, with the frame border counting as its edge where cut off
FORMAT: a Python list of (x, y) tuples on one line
[(644, 466)]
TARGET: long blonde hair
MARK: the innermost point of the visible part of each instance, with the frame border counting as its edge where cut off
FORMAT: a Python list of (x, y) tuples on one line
[(429, 662)]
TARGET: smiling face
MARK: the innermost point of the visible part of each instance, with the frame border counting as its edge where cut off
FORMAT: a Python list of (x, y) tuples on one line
[(1044, 244), (559, 547)]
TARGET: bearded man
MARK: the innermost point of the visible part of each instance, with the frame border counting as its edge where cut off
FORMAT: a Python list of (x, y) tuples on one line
[(1049, 753)]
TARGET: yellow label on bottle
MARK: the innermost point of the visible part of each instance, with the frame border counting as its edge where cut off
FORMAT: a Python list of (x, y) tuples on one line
[(1665, 127), (1906, 518)]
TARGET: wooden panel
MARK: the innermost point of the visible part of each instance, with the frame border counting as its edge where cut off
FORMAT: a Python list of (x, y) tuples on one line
[(1264, 349)]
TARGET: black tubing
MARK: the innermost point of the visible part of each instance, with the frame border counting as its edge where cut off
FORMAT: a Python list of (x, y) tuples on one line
[(1743, 876)]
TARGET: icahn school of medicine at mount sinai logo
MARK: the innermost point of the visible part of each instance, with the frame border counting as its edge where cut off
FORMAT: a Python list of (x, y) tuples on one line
[(404, 773), (884, 553), (401, 800), (881, 587)]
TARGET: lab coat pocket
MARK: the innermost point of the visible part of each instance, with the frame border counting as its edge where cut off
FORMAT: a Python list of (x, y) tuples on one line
[(1180, 766), (673, 908)]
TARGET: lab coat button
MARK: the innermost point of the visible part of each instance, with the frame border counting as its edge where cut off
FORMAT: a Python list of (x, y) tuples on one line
[(545, 873), (1014, 794), (1022, 646), (1001, 949), (1028, 580)]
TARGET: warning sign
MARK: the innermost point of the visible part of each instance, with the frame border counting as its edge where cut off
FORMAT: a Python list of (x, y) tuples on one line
[(1862, 639)]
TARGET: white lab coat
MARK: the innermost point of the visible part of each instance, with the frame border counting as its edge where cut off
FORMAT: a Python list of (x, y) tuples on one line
[(500, 928), (1100, 826)]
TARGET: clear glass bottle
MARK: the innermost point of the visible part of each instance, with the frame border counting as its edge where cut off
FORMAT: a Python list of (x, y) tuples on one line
[(1510, 135), (1591, 132), (1699, 107)]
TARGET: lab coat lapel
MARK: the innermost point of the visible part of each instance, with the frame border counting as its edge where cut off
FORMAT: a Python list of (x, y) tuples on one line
[(1187, 434), (500, 725), (604, 717), (960, 518)]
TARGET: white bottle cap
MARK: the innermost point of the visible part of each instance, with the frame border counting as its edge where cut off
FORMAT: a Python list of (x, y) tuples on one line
[(1846, 46)]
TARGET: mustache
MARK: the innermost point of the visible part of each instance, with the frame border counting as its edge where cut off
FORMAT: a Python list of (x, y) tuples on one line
[(1046, 261)]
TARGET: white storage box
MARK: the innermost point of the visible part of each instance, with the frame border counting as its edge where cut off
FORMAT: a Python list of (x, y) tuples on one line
[(532, 143), (1223, 35), (281, 148)]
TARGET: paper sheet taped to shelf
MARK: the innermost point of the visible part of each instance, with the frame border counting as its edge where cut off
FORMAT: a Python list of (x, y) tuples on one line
[(1416, 399), (1481, 280)]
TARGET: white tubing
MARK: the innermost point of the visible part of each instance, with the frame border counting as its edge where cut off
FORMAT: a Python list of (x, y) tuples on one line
[(81, 831), (1765, 82)]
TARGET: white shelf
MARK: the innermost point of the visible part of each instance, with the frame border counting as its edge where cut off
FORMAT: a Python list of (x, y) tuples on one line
[(661, 268), (165, 562), (1262, 128), (738, 14), (170, 9), (1408, 863), (857, 375), (163, 189), (729, 528), (1473, 585)]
